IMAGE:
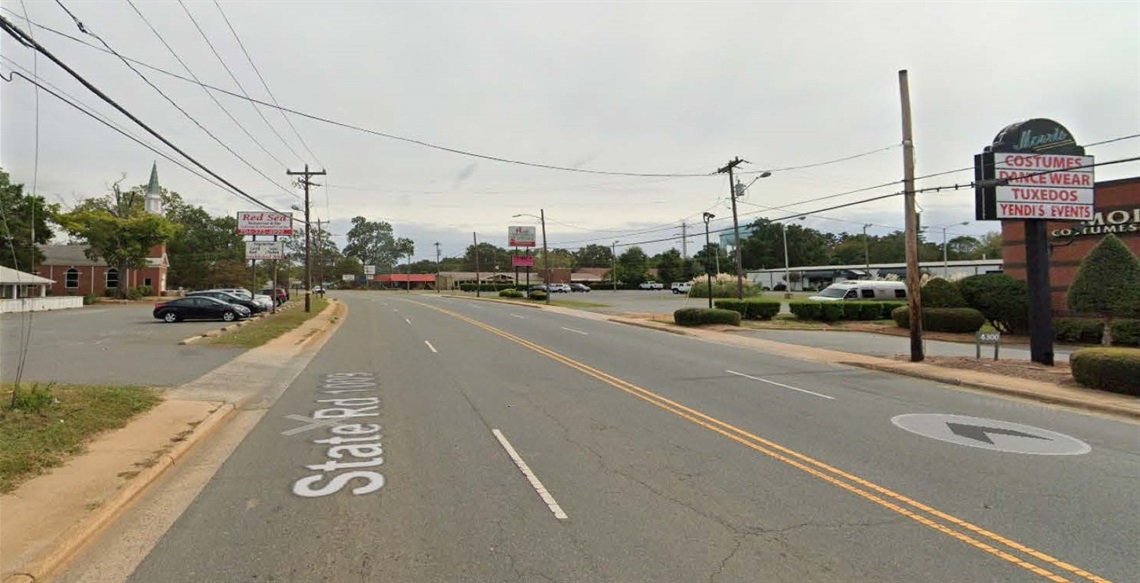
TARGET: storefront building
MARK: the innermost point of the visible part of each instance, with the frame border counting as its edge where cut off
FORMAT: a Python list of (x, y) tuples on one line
[(1117, 211)]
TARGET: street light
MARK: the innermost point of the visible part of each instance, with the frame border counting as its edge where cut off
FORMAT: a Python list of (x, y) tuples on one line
[(708, 268), (945, 256), (545, 256), (613, 269)]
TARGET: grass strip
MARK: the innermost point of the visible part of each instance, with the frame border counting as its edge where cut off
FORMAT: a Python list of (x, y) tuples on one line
[(55, 422), (265, 329)]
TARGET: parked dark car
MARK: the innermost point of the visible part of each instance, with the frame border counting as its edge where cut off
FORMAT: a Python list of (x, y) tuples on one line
[(540, 287), (579, 287), (199, 308), (279, 295), (230, 298)]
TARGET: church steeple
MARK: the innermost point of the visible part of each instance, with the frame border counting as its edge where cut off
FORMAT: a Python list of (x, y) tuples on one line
[(153, 198)]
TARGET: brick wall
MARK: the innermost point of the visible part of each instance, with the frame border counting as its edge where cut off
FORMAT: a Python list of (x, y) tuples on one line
[(1116, 198)]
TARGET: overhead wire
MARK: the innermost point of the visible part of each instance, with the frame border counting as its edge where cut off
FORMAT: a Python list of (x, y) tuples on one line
[(22, 37), (266, 85), (190, 72), (237, 82), (83, 28)]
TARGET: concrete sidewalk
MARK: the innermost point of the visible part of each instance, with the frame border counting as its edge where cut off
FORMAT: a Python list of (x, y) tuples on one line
[(50, 517)]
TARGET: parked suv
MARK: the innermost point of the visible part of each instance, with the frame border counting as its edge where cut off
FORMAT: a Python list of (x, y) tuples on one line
[(560, 288), (278, 294), (681, 287), (651, 285)]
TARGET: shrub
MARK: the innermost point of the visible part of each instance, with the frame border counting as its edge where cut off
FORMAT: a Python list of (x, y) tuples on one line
[(885, 308), (1109, 369), (871, 310), (762, 309), (1107, 284), (90, 299), (939, 293), (956, 320), (134, 294), (830, 311), (1003, 300), (510, 293), (851, 310), (805, 309), (145, 290), (538, 295), (702, 316), (732, 304), (1072, 330), (1126, 333)]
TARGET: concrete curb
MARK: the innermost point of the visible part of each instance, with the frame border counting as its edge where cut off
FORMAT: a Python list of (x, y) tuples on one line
[(79, 534), (948, 377)]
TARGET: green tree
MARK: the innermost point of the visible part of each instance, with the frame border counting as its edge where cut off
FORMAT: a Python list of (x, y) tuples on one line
[(594, 256), (373, 243), (632, 266), (1107, 284), (989, 246), (963, 247), (18, 249), (669, 266), (202, 241), (490, 256), (118, 230)]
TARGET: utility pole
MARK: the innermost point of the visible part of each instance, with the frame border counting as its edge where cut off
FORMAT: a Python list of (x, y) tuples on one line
[(320, 258), (545, 255), (913, 278), (613, 269), (735, 225), (437, 273), (684, 241), (475, 250), (866, 249), (308, 239), (708, 249)]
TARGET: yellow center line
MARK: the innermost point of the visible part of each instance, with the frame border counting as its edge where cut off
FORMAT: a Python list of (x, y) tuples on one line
[(803, 462)]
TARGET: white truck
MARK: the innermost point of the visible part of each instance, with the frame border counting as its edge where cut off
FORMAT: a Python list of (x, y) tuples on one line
[(651, 285), (681, 287)]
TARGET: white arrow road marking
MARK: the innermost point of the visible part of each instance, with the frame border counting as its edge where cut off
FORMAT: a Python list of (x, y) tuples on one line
[(740, 374), (516, 316), (408, 321), (533, 479), (312, 424), (575, 331), (430, 346)]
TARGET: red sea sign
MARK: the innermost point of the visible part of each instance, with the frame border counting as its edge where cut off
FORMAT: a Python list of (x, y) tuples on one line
[(264, 223), (522, 261)]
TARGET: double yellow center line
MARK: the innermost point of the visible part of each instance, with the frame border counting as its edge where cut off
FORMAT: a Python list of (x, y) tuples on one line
[(952, 526)]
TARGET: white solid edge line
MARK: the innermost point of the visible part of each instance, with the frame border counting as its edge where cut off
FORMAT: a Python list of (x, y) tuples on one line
[(576, 331), (408, 321), (533, 479), (430, 346), (516, 316), (740, 374)]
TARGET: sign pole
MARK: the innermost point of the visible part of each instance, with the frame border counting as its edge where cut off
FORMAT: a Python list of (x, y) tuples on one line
[(253, 270), (1040, 296), (275, 278)]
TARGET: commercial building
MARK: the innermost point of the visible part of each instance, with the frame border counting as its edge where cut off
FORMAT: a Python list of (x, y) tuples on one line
[(1117, 211)]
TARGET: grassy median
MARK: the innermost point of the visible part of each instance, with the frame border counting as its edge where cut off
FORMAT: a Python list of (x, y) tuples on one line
[(264, 329), (53, 422)]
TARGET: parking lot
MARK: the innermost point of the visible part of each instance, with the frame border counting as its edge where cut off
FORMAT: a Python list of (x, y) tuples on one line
[(106, 344)]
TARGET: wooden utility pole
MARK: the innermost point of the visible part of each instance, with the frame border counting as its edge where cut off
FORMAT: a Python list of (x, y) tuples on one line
[(475, 250), (320, 259), (305, 174), (735, 225), (437, 273), (913, 277)]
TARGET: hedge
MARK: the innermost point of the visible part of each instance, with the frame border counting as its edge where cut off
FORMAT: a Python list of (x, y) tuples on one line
[(538, 295), (510, 293), (1002, 299), (1109, 369), (1124, 332), (702, 316), (939, 293), (842, 310), (751, 308), (956, 320)]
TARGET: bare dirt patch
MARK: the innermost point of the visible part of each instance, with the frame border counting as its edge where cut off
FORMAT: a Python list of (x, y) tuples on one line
[(1060, 374)]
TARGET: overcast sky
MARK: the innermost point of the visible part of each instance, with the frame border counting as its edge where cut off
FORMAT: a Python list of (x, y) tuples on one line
[(647, 87)]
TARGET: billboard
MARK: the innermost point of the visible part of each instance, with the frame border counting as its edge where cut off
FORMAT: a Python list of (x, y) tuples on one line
[(1042, 186), (520, 236), (264, 223), (259, 250)]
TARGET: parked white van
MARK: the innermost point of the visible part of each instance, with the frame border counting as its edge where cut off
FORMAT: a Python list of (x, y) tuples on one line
[(862, 290)]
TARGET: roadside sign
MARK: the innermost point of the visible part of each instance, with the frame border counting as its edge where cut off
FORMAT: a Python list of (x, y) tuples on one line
[(522, 261), (264, 223), (981, 338), (259, 250), (347, 277), (520, 236), (369, 270)]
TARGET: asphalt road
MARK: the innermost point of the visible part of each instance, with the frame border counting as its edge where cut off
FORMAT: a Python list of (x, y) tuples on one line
[(884, 345), (660, 458), (107, 345)]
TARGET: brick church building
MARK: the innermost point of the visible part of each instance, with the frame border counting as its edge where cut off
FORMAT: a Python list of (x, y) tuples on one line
[(75, 274)]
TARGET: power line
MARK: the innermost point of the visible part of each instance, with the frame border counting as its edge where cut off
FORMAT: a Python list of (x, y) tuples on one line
[(207, 91), (24, 39), (825, 163), (266, 85), (127, 62), (235, 79)]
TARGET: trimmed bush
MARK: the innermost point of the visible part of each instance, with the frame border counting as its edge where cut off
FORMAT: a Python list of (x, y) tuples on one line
[(703, 316), (538, 295), (805, 309), (762, 309), (90, 299), (732, 304), (851, 310), (510, 293), (1109, 369), (830, 311), (871, 310), (955, 320), (886, 308), (939, 293), (1107, 284), (1003, 300), (1124, 332)]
